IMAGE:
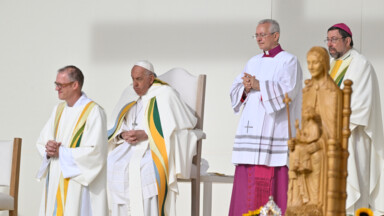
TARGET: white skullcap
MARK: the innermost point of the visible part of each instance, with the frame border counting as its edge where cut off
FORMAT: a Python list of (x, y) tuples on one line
[(145, 64)]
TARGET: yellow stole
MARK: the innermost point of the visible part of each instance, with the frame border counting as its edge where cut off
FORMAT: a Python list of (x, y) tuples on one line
[(339, 68), (159, 153), (123, 112), (119, 120), (77, 133), (335, 68)]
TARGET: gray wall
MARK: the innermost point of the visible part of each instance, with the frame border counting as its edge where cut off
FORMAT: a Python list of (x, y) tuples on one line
[(104, 39)]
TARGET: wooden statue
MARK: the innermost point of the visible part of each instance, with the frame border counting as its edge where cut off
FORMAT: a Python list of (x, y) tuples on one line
[(318, 153)]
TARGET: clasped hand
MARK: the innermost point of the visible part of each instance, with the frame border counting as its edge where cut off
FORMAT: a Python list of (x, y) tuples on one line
[(134, 136), (250, 82), (52, 148)]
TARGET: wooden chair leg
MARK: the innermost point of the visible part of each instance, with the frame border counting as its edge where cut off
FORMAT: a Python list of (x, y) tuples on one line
[(13, 213), (195, 188), (14, 186), (207, 199)]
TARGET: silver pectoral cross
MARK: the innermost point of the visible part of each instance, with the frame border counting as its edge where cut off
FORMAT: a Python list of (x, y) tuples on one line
[(134, 123), (248, 126)]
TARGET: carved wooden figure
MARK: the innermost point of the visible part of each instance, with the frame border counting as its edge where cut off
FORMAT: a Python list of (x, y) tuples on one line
[(318, 153)]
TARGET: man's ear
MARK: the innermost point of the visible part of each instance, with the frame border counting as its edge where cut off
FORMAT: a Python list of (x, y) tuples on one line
[(348, 40), (76, 85), (276, 36)]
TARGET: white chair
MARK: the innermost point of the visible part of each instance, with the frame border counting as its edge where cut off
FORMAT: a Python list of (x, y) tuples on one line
[(192, 90), (10, 152)]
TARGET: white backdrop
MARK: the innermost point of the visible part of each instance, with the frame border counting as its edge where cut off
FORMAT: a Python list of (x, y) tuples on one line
[(104, 39)]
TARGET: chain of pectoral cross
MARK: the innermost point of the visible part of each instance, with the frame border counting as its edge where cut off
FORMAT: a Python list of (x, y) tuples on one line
[(134, 123)]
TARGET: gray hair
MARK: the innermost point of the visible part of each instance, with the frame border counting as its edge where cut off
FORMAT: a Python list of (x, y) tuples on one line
[(148, 72), (274, 27), (74, 74)]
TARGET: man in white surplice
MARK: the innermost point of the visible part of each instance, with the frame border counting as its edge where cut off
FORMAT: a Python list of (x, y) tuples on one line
[(260, 150), (365, 181), (149, 133), (73, 146)]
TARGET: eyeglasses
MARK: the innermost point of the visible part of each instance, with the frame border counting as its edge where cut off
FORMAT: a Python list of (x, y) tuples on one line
[(255, 36), (63, 85), (333, 40)]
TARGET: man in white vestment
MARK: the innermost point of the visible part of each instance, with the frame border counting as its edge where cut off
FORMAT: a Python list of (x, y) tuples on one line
[(260, 150), (151, 144), (73, 147), (365, 181)]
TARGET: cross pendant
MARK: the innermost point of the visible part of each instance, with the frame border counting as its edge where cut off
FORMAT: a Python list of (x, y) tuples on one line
[(248, 126), (134, 124)]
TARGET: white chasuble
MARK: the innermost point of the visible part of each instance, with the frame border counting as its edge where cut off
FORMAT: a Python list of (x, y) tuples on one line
[(175, 123), (365, 181), (84, 166), (262, 134), (118, 168)]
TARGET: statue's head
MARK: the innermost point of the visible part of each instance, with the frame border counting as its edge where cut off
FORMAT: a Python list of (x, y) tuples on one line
[(318, 62)]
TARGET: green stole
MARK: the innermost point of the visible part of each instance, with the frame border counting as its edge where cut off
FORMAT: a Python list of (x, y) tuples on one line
[(159, 153), (123, 112), (343, 67)]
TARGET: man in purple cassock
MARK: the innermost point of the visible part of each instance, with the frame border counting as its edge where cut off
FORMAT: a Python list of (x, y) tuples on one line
[(260, 150)]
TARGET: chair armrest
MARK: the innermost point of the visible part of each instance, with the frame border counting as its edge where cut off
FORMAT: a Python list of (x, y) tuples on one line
[(199, 134), (217, 178)]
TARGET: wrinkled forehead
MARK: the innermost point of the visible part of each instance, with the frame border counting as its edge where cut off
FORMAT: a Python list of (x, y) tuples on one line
[(263, 28), (138, 71), (333, 33)]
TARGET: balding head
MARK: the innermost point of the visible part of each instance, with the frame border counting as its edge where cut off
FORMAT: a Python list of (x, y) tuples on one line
[(74, 74)]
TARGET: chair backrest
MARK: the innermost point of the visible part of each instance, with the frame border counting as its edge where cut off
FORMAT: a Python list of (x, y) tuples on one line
[(192, 91), (190, 87), (10, 153), (6, 153)]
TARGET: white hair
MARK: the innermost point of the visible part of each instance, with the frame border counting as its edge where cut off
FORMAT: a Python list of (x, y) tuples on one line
[(274, 27)]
